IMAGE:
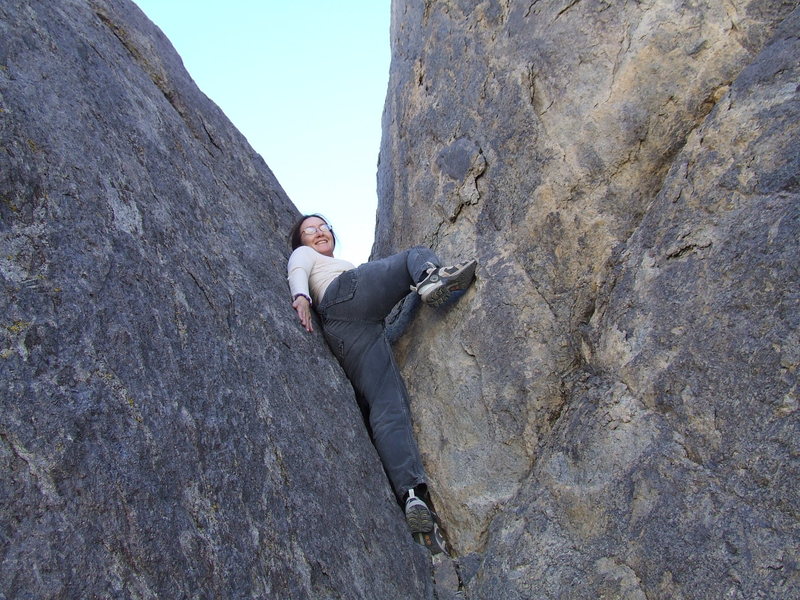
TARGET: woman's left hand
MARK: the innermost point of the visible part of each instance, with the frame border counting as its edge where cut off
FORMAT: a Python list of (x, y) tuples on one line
[(303, 308)]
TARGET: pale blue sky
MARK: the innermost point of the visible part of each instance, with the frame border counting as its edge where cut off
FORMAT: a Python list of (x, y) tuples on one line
[(305, 82)]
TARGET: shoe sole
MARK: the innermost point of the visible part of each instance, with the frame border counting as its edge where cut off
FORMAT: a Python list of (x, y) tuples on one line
[(419, 519), (454, 283)]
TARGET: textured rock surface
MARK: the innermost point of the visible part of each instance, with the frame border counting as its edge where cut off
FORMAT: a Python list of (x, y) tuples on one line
[(612, 410), (166, 429)]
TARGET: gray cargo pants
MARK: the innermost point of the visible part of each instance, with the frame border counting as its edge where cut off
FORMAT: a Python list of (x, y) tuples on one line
[(353, 311)]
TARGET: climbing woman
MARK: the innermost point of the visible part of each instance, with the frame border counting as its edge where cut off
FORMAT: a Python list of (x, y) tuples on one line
[(352, 303)]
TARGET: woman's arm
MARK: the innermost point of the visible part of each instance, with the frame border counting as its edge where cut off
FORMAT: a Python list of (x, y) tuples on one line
[(300, 264), (303, 308)]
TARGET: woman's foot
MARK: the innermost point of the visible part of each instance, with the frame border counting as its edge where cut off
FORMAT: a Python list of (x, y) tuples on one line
[(418, 515), (442, 283)]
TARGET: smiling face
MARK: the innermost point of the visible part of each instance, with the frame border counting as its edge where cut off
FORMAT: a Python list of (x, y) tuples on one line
[(321, 241)]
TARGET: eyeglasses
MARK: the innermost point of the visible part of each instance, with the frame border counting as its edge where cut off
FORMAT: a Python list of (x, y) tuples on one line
[(312, 230)]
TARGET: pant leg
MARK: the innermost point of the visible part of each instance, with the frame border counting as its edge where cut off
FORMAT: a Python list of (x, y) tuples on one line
[(370, 291), (352, 312), (367, 359)]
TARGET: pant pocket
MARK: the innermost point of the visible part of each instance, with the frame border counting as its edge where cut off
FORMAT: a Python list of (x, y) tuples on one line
[(342, 289)]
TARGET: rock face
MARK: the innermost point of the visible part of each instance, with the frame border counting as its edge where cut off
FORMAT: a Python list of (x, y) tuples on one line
[(167, 430), (611, 411)]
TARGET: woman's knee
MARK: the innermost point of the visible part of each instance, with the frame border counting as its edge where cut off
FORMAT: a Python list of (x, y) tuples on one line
[(419, 259)]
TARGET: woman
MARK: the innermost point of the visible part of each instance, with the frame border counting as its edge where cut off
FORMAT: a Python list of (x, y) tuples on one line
[(352, 304)]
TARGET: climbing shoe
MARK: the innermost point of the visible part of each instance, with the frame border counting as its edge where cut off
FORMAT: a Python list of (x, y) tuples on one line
[(418, 515), (433, 540), (443, 283)]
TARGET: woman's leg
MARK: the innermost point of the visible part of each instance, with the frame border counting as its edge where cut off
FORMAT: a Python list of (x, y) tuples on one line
[(381, 284), (367, 359), (352, 312)]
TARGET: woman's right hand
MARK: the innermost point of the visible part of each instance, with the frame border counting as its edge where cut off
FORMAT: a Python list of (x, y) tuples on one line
[(303, 308)]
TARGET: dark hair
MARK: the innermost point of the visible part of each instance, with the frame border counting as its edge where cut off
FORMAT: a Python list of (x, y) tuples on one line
[(294, 236)]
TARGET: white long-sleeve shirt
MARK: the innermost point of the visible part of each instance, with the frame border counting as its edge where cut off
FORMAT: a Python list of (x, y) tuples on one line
[(311, 273)]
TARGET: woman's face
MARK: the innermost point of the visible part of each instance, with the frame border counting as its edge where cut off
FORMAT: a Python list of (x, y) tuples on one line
[(321, 241)]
